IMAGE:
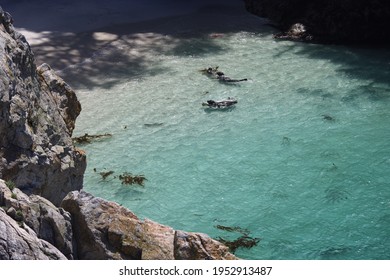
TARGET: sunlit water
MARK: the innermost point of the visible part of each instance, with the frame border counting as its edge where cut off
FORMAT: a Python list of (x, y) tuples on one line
[(302, 162)]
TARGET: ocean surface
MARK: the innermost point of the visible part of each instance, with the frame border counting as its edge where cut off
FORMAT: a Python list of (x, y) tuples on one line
[(300, 164)]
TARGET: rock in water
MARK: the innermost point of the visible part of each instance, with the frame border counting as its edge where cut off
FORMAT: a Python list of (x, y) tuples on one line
[(106, 230)]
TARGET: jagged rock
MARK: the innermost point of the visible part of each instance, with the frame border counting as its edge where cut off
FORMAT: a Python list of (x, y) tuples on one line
[(351, 21), (297, 32), (41, 166), (19, 242), (50, 223), (38, 113), (106, 230), (198, 246)]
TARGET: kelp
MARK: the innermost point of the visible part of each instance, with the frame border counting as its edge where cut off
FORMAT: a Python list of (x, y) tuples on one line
[(130, 179), (86, 138), (106, 174), (243, 241)]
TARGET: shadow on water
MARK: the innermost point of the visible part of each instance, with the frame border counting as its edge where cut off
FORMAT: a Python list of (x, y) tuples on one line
[(371, 64), (106, 56)]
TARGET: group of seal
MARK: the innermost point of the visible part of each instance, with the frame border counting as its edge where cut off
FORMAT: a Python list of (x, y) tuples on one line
[(213, 72)]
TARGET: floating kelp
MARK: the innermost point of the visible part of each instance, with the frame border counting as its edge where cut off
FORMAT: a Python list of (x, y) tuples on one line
[(106, 174), (233, 229), (130, 179), (86, 138), (244, 241), (241, 242)]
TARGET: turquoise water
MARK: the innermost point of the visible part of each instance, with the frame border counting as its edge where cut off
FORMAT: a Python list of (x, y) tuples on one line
[(302, 162)]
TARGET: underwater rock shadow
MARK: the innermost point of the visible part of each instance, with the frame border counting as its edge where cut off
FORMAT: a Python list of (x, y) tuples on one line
[(350, 58)]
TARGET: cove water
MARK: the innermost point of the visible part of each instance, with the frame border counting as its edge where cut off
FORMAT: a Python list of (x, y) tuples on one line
[(302, 162)]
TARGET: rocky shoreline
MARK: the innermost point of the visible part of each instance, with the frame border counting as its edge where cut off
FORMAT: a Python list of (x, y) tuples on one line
[(44, 212), (344, 21)]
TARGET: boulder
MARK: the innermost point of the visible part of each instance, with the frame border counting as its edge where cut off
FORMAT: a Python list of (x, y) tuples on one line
[(106, 230), (19, 242), (49, 223), (341, 21)]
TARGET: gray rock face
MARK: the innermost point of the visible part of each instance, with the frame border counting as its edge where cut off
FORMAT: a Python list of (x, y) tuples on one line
[(40, 168), (48, 222), (32, 229), (21, 243), (37, 116), (106, 230)]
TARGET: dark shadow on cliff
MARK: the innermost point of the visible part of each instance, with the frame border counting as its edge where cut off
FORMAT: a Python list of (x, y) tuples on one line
[(107, 56)]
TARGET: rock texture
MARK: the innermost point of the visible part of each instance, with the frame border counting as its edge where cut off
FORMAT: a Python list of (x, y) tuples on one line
[(48, 222), (40, 170), (21, 243), (351, 21), (37, 116), (32, 229), (106, 230)]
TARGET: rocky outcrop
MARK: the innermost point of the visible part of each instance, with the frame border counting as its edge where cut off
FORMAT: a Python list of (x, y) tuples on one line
[(40, 170), (38, 113), (32, 227), (106, 230), (350, 21), (21, 243), (48, 222), (91, 228)]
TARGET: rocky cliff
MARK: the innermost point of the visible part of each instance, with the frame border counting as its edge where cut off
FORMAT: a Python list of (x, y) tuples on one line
[(349, 21), (38, 113), (44, 214)]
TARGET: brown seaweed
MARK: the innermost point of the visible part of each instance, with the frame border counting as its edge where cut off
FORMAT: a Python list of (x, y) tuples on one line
[(233, 229), (86, 138), (244, 241), (106, 174), (130, 179)]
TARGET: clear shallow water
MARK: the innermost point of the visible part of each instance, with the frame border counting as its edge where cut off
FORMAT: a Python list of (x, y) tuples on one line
[(308, 187)]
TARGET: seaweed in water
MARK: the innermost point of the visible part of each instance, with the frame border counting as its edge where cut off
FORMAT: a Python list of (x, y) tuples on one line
[(233, 229), (328, 118), (286, 141), (244, 241), (130, 179), (334, 253), (86, 138), (334, 195), (106, 174)]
